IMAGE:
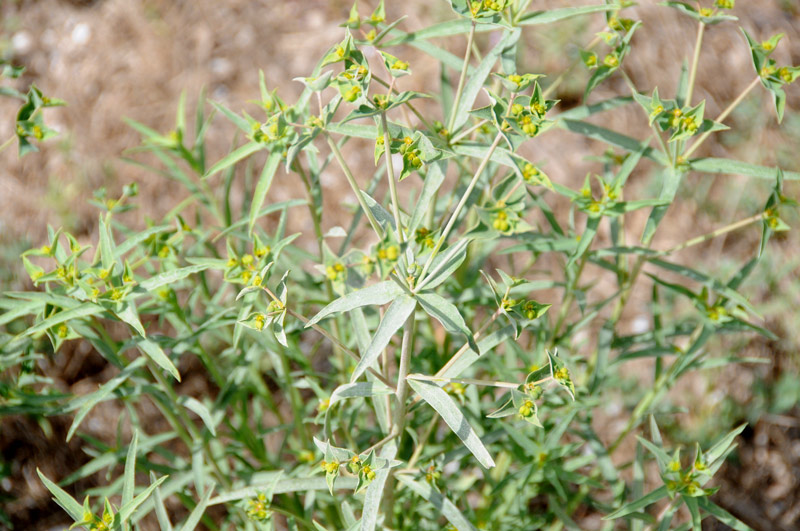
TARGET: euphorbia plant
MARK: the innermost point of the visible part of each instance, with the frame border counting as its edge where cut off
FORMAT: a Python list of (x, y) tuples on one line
[(409, 369)]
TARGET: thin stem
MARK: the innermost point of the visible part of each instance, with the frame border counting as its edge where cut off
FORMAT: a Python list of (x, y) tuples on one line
[(387, 155), (714, 234), (327, 336), (554, 85), (693, 72), (7, 143), (457, 99), (465, 346), (567, 303), (402, 372), (354, 185), (407, 104), (460, 206), (724, 114), (469, 381), (468, 132), (418, 450)]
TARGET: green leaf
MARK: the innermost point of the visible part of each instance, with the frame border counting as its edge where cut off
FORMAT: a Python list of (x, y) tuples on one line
[(264, 182), (197, 512), (639, 504), (694, 511), (433, 180), (444, 265), (234, 156), (554, 15), (440, 401), (446, 313), (161, 509), (129, 477), (85, 309), (154, 352), (670, 181), (375, 295), (719, 449), (441, 504), (394, 318), (612, 138), (374, 494), (170, 277), (237, 120), (736, 167), (67, 502), (89, 401), (722, 515), (201, 411), (302, 484), (359, 390), (127, 510), (473, 87)]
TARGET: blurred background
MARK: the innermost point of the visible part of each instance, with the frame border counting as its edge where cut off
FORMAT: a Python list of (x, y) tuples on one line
[(110, 59)]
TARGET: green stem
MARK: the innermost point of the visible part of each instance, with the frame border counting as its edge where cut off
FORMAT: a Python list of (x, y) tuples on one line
[(387, 156), (714, 234), (695, 60), (398, 423), (724, 114), (459, 89), (460, 206), (354, 185)]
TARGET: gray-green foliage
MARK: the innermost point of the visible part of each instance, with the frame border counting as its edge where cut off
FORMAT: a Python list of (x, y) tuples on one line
[(334, 369)]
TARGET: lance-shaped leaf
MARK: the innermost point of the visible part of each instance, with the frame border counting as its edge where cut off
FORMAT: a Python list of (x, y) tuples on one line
[(264, 183), (377, 295), (359, 390), (170, 277), (446, 313), (439, 400), (61, 497), (374, 494), (445, 265), (478, 78), (394, 318), (439, 502)]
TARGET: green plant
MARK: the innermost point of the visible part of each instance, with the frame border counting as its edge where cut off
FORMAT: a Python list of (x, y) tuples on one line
[(330, 382)]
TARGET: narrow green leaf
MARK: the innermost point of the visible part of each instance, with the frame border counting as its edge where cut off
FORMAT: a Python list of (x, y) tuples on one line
[(85, 309), (170, 277), (736, 167), (129, 477), (67, 502), (445, 264), (473, 86), (234, 156), (201, 411), (374, 494), (264, 183), (377, 295), (439, 502), (359, 390), (554, 15), (722, 515), (127, 510), (446, 313), (161, 509), (394, 318), (433, 180), (439, 400), (197, 512), (154, 352), (670, 181), (641, 503), (89, 401)]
